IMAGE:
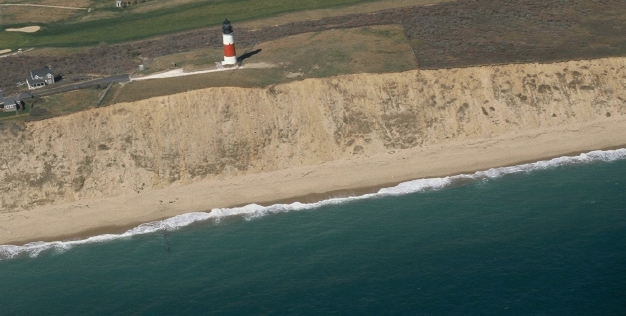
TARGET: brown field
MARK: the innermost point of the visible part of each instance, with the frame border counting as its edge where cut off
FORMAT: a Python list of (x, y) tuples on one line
[(68, 3), (94, 16), (33, 14), (158, 5), (321, 54), (325, 13), (490, 32), (58, 52), (27, 14)]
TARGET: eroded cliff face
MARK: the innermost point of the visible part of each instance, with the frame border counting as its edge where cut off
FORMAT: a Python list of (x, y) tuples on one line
[(220, 132)]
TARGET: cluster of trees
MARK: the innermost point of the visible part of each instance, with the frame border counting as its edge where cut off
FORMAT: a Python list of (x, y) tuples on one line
[(452, 34)]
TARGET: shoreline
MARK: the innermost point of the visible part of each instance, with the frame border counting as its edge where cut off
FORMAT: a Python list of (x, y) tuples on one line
[(359, 191), (345, 177)]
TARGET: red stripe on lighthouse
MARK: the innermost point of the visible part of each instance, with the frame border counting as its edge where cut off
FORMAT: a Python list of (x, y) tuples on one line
[(229, 50)]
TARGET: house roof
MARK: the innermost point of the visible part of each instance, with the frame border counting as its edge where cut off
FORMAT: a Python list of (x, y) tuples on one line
[(24, 95), (10, 100), (32, 81), (14, 99), (41, 72)]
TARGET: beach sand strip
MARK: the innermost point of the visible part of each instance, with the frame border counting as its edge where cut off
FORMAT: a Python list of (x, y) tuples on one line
[(357, 175)]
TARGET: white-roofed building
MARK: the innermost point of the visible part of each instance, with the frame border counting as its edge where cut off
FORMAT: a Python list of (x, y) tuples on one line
[(39, 77)]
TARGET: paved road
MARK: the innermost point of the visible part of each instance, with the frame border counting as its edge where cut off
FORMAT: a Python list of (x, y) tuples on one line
[(81, 85)]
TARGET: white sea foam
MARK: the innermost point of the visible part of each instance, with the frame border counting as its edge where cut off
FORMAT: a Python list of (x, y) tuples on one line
[(251, 211)]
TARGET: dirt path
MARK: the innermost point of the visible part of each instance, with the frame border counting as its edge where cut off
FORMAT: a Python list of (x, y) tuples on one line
[(180, 72), (15, 53), (42, 5)]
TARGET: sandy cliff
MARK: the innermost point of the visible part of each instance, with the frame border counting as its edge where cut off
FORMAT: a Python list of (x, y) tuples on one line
[(223, 132)]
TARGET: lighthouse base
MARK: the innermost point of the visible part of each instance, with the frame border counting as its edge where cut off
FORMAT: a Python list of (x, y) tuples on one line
[(229, 60)]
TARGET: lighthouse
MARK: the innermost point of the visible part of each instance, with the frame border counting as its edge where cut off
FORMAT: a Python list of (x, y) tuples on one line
[(230, 58)]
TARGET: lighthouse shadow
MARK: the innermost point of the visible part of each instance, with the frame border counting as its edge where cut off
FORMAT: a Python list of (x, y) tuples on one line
[(248, 55)]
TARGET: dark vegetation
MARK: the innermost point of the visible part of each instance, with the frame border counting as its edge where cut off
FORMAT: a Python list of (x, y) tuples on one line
[(454, 34)]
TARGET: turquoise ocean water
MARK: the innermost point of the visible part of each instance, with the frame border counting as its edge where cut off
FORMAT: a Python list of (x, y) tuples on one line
[(547, 238)]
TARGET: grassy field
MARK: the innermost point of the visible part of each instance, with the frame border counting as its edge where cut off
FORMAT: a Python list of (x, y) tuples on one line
[(18, 115), (129, 25), (69, 102), (198, 59), (54, 105), (375, 49)]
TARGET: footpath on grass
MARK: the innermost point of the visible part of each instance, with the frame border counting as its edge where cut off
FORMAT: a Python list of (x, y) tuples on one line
[(179, 72)]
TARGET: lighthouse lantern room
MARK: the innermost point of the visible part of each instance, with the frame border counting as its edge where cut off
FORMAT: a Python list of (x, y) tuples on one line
[(230, 58)]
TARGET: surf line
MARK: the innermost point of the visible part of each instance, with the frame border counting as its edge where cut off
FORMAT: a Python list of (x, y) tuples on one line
[(251, 211)]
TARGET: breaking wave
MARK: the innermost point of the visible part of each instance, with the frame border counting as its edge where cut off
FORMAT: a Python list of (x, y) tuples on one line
[(250, 211)]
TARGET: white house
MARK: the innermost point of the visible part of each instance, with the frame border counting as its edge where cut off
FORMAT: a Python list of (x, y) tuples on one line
[(39, 78)]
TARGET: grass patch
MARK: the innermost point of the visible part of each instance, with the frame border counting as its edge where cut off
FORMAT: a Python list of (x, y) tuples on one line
[(309, 55), (7, 114), (190, 61), (64, 103), (344, 51), (16, 115)]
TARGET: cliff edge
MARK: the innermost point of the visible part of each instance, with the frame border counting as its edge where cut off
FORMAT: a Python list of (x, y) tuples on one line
[(225, 132)]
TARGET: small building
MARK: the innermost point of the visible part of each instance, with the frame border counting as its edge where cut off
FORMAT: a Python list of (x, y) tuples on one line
[(39, 77), (118, 3), (12, 103)]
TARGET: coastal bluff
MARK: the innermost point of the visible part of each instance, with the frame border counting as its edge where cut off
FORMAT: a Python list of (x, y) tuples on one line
[(229, 131)]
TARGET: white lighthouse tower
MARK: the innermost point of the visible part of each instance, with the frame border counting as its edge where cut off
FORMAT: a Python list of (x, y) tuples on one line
[(230, 58)]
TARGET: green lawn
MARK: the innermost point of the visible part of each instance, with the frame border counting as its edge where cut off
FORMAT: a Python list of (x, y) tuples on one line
[(127, 26), (12, 116)]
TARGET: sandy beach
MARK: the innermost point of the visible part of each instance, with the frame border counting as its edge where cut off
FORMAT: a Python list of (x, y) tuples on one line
[(342, 177)]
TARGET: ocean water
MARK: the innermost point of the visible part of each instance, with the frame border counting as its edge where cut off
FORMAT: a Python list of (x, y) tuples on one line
[(547, 238)]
